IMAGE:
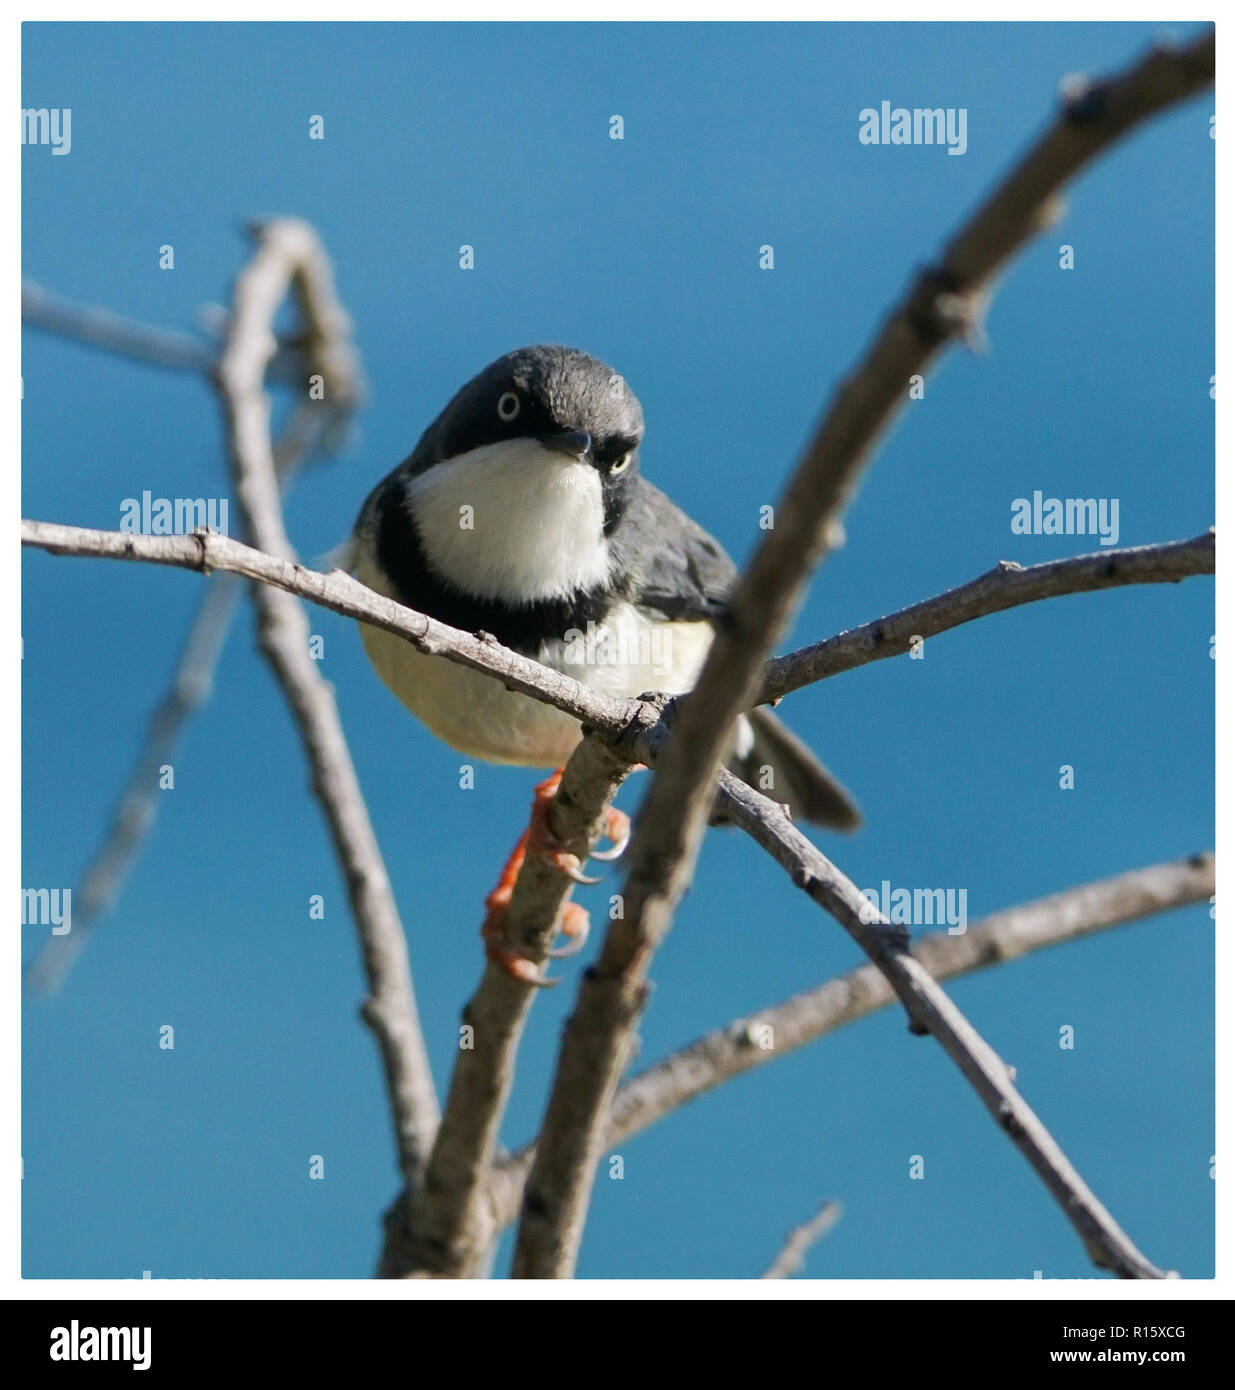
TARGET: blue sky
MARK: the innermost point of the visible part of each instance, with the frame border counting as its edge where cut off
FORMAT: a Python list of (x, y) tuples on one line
[(194, 1162)]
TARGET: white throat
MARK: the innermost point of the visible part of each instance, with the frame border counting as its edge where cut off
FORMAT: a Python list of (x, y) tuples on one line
[(513, 521)]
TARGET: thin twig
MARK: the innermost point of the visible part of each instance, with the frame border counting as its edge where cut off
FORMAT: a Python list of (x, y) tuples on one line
[(637, 720), (93, 326), (930, 1010), (137, 808), (792, 1255), (1006, 586), (445, 1233), (206, 552), (97, 327), (615, 718), (943, 303), (288, 256), (781, 1029)]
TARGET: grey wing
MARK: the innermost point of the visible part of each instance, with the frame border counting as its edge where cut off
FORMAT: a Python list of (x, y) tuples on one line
[(675, 567), (678, 570), (777, 762)]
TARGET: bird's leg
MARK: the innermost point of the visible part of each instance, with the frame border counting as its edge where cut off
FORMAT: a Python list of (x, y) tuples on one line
[(493, 928), (540, 840)]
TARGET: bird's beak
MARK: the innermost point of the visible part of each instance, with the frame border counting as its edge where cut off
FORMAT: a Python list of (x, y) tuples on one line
[(575, 443)]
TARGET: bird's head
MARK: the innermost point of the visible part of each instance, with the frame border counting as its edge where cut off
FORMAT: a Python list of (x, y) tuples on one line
[(557, 398)]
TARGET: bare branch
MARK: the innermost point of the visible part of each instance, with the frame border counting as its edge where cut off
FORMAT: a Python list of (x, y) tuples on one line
[(461, 1222), (1094, 117), (634, 722), (931, 1011), (137, 808), (288, 254), (206, 552), (944, 302), (792, 1255), (447, 1230), (190, 686), (781, 1029), (100, 328), (1006, 586)]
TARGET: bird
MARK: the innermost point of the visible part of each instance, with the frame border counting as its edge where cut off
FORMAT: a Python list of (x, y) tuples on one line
[(523, 513)]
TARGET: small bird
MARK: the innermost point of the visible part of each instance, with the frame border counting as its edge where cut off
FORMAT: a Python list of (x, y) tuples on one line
[(522, 513)]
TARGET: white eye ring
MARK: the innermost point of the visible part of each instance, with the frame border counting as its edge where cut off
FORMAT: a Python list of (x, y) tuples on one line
[(621, 464), (508, 406)]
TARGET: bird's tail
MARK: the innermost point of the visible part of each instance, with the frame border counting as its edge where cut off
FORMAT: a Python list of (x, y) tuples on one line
[(777, 762)]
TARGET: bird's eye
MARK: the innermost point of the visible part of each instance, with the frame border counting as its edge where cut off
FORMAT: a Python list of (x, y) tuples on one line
[(621, 465), (508, 406)]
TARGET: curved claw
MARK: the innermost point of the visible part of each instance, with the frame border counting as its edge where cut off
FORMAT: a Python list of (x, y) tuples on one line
[(532, 976), (518, 966), (617, 829), (577, 931), (572, 871), (562, 952)]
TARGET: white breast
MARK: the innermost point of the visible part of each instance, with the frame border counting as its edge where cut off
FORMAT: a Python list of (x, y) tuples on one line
[(631, 652), (513, 521), (626, 655)]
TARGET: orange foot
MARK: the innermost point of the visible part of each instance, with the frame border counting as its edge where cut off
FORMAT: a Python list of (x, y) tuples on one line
[(539, 839)]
